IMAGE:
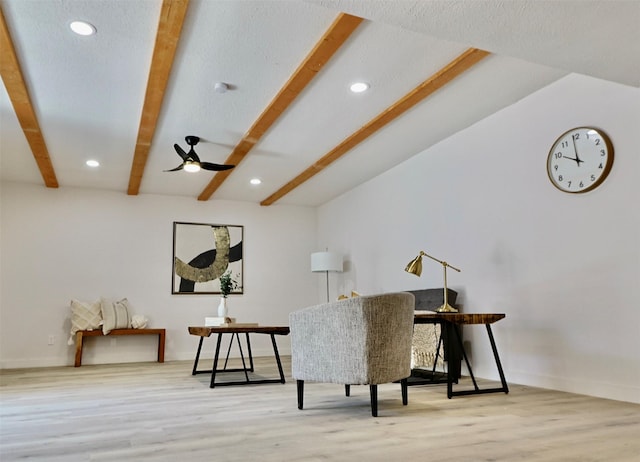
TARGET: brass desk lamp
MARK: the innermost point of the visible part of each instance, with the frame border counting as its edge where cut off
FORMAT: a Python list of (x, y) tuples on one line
[(415, 267)]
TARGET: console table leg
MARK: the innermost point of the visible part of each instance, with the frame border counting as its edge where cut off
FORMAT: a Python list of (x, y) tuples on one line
[(466, 360), (497, 358), (449, 342)]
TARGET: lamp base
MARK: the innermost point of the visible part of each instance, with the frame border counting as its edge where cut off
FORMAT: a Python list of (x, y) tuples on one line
[(446, 308)]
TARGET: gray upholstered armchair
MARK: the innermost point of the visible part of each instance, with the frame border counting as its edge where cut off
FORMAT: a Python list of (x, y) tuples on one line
[(356, 341)]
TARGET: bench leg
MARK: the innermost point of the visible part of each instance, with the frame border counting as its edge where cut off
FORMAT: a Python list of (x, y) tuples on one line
[(161, 337), (79, 340)]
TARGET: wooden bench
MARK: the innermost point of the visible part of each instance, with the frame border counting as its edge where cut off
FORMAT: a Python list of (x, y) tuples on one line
[(80, 335)]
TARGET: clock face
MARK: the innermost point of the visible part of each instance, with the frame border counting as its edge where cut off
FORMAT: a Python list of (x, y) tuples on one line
[(580, 160)]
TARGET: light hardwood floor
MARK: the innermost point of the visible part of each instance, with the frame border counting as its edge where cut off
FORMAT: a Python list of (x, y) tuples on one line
[(160, 412)]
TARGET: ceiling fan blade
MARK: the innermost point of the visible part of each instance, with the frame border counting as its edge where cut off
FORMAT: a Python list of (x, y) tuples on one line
[(193, 156), (181, 152), (215, 167), (179, 167)]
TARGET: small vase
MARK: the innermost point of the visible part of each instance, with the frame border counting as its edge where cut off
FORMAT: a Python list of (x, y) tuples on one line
[(222, 307)]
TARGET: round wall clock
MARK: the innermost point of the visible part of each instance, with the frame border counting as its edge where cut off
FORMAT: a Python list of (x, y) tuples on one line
[(580, 160)]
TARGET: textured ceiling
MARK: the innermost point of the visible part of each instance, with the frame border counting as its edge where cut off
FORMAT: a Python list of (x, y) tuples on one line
[(88, 92)]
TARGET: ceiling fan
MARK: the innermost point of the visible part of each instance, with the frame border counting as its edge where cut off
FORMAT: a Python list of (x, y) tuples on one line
[(191, 162)]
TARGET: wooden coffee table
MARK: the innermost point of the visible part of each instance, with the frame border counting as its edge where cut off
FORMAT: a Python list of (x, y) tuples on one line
[(235, 332)]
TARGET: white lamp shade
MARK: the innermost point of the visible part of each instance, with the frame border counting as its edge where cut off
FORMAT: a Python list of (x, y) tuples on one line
[(326, 261)]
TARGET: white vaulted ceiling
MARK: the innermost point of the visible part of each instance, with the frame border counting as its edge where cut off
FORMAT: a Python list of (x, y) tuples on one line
[(88, 93)]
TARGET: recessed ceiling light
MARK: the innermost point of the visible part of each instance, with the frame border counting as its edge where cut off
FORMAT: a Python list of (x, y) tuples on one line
[(255, 181), (82, 28), (359, 87), (93, 163)]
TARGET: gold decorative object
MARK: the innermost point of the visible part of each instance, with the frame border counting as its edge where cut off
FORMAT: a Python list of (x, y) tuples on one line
[(415, 267)]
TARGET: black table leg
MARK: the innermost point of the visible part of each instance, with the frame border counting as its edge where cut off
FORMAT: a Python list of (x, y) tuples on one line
[(249, 348), (497, 358), (247, 380), (275, 351), (476, 391), (195, 363), (215, 362)]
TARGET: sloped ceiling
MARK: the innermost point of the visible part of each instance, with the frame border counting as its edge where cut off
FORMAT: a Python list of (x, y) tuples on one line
[(288, 117)]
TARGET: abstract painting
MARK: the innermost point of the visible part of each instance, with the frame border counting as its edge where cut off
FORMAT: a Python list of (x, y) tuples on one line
[(202, 252)]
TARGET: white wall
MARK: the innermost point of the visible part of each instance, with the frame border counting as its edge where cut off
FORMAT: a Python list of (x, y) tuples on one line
[(59, 244), (564, 268)]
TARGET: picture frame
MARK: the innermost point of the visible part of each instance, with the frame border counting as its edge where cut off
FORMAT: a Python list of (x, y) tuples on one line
[(202, 252)]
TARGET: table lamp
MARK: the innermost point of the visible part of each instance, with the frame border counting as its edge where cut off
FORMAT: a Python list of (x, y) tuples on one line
[(325, 262), (415, 267)]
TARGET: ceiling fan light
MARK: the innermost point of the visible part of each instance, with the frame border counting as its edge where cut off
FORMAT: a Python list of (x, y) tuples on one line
[(93, 163), (191, 167), (255, 181)]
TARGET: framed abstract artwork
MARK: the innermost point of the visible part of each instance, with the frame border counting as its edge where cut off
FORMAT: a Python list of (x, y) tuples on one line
[(202, 252)]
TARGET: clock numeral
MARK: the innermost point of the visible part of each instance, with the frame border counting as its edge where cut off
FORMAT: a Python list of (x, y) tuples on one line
[(581, 184), (602, 153), (560, 178), (558, 155), (576, 136), (600, 166), (597, 141), (555, 167), (569, 183), (593, 178)]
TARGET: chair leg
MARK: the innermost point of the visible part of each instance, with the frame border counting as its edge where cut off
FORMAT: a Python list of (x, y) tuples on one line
[(300, 386), (347, 390), (405, 394), (373, 391)]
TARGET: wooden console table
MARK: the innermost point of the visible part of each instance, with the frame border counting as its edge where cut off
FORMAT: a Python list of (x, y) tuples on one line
[(235, 332), (448, 322), (81, 334)]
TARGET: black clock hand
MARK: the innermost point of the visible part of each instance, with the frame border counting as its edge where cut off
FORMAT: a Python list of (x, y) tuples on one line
[(575, 150), (571, 158)]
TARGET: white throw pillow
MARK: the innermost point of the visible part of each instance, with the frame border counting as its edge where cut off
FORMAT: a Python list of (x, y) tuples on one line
[(115, 315), (84, 316)]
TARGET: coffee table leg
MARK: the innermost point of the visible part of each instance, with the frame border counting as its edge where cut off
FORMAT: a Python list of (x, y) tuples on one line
[(249, 348), (195, 363), (275, 351), (244, 365), (215, 362)]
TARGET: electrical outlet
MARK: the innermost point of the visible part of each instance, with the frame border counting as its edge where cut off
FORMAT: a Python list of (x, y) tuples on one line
[(52, 340)]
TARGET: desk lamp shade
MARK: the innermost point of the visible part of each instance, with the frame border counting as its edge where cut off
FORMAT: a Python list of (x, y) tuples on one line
[(415, 266)]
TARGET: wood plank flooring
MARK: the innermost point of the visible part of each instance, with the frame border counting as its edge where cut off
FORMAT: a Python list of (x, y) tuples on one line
[(160, 412)]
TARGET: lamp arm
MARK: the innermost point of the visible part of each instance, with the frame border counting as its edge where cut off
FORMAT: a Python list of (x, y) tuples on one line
[(443, 263)]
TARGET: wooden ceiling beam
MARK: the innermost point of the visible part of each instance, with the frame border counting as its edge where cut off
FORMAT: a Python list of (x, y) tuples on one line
[(438, 80), (172, 17), (331, 41), (19, 95)]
